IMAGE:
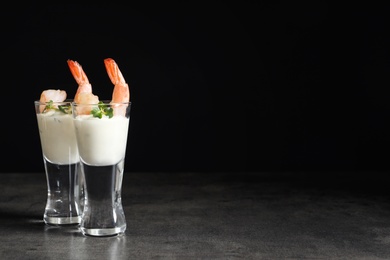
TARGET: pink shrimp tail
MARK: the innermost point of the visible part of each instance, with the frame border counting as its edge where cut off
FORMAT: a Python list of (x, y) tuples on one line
[(121, 92), (113, 71), (78, 72), (82, 80)]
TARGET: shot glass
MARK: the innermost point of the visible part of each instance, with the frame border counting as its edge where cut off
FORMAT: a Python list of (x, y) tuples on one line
[(61, 161), (101, 132)]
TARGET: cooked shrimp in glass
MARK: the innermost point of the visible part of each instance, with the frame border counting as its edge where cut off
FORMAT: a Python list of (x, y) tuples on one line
[(84, 93), (54, 95), (121, 92)]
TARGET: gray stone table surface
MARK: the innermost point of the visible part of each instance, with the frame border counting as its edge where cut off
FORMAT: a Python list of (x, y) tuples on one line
[(285, 215)]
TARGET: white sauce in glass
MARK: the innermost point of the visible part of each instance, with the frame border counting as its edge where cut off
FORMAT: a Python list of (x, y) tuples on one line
[(102, 141), (58, 139)]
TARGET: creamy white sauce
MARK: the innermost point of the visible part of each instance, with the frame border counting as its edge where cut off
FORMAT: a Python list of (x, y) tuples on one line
[(101, 141), (58, 139)]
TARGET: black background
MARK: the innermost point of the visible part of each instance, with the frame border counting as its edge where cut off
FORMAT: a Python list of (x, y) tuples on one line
[(214, 87)]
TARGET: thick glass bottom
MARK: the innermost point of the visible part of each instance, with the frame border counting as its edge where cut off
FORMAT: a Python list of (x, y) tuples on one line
[(62, 220), (101, 232)]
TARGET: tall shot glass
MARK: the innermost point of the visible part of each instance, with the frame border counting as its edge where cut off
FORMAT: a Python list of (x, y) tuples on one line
[(101, 132), (61, 162)]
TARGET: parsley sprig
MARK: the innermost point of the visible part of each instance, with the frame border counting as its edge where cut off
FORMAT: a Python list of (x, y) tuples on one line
[(102, 110), (66, 109)]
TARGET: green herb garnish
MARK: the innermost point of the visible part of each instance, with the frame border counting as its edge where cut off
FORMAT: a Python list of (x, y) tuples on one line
[(64, 109), (102, 110)]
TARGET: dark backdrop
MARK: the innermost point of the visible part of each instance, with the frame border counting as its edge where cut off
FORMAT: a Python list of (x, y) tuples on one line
[(214, 87)]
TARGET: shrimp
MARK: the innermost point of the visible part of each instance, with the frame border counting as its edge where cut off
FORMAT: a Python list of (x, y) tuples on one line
[(121, 92), (51, 95), (84, 93)]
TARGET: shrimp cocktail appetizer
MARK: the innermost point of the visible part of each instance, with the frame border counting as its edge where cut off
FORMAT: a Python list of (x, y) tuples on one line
[(60, 157), (101, 130)]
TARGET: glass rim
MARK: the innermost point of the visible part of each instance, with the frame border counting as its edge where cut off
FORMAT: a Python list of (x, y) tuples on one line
[(71, 101), (104, 101), (66, 101)]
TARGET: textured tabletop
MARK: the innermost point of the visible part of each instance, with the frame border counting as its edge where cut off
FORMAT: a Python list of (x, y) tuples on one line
[(212, 216)]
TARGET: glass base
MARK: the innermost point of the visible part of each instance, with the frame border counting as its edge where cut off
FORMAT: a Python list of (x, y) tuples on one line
[(103, 213), (102, 232), (62, 220), (63, 194)]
